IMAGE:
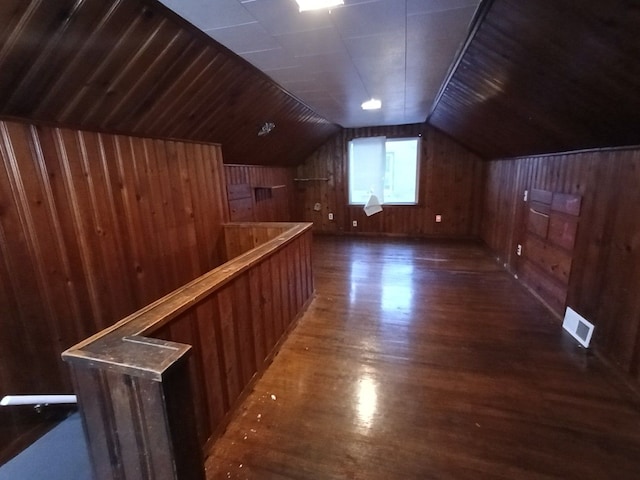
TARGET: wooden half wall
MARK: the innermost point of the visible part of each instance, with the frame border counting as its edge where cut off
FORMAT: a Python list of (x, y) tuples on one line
[(450, 185), (93, 227), (605, 273), (162, 383)]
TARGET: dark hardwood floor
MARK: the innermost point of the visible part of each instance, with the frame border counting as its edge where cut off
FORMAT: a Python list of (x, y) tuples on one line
[(420, 360)]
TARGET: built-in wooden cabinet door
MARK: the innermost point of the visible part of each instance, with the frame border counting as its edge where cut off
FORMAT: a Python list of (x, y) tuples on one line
[(546, 247)]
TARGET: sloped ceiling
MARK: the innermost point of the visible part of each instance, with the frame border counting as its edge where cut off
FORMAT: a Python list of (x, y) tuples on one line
[(398, 51), (533, 77), (546, 76), (135, 67)]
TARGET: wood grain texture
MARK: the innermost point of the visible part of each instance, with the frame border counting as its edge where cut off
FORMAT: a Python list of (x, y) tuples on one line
[(132, 424), (605, 272), (135, 67), (267, 205), (242, 237), (520, 87), (425, 360), (92, 227), (240, 202), (141, 393), (546, 253), (450, 185)]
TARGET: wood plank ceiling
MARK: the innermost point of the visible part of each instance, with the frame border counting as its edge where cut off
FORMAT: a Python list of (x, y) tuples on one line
[(135, 67), (547, 76), (534, 77)]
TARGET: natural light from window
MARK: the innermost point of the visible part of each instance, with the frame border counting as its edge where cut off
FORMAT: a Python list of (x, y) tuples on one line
[(385, 167)]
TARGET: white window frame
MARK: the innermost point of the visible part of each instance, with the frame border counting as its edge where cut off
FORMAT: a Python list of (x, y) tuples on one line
[(418, 139)]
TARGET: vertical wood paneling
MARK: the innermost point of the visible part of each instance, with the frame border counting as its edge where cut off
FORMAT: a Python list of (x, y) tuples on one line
[(120, 152), (242, 237), (92, 227), (211, 364), (244, 330), (257, 314), (267, 305), (605, 272), (71, 248), (228, 344), (235, 331), (450, 184), (184, 330), (619, 305), (28, 299), (308, 265), (279, 319), (268, 205)]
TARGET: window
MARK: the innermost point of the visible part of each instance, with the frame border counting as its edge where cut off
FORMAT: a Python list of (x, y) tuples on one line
[(385, 167)]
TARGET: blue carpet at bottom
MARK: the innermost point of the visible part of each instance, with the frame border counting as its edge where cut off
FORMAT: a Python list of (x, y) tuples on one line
[(61, 454)]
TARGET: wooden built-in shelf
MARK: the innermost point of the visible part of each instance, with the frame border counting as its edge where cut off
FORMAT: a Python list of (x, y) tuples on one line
[(265, 192), (267, 187)]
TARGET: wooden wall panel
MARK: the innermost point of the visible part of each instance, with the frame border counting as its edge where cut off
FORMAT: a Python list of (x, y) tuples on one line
[(242, 237), (605, 271), (240, 196), (135, 67), (237, 328), (92, 227), (450, 185), (546, 253), (268, 204)]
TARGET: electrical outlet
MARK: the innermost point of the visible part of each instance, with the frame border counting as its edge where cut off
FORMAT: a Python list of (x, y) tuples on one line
[(354, 223), (438, 218), (519, 250), (331, 216)]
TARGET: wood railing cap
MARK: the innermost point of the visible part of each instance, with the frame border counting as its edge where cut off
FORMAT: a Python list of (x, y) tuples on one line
[(124, 346), (137, 356)]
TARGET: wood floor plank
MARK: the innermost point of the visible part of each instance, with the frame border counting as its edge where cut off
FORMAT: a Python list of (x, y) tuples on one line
[(421, 360)]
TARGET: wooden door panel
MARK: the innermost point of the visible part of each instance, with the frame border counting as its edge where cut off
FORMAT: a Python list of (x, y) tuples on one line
[(548, 238)]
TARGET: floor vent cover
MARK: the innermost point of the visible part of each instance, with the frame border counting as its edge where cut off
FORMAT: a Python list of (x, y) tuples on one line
[(578, 327)]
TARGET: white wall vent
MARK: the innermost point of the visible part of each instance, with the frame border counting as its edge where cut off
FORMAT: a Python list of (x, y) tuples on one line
[(578, 327)]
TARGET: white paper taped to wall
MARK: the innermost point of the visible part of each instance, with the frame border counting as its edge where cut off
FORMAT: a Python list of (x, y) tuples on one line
[(372, 206)]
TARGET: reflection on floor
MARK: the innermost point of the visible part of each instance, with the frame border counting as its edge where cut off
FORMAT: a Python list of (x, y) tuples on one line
[(425, 360)]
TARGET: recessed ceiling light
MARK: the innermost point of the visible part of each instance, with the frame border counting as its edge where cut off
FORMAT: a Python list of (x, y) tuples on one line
[(373, 104), (306, 5)]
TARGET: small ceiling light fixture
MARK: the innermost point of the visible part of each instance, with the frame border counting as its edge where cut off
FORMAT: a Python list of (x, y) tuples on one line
[(306, 5), (373, 104), (266, 128)]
